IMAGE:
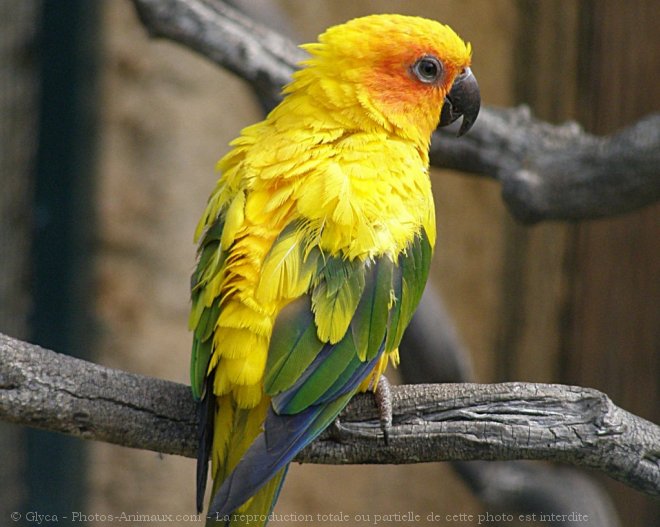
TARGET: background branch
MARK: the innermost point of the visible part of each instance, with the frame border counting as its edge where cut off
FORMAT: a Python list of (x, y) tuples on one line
[(547, 172), (551, 172), (575, 425), (234, 41), (520, 487)]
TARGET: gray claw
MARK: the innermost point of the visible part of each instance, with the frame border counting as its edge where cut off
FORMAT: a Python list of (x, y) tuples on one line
[(383, 398)]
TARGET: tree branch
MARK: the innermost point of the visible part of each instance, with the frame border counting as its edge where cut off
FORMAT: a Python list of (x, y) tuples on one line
[(547, 172), (520, 487), (574, 425), (551, 172), (221, 33)]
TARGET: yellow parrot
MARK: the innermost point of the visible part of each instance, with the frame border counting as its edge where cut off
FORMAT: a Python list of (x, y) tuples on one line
[(314, 249)]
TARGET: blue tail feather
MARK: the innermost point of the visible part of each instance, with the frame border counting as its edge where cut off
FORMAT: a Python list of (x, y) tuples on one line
[(285, 436)]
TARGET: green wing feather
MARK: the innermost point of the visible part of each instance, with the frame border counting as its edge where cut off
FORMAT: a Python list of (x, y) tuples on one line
[(409, 282), (293, 346), (373, 303), (370, 321), (323, 345), (332, 370), (204, 314), (336, 296)]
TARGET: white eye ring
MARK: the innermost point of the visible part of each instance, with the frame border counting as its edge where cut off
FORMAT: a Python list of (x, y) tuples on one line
[(428, 69)]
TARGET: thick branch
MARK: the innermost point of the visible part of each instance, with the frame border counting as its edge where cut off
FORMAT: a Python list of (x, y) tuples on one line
[(519, 487), (224, 35), (547, 172), (575, 425), (551, 172)]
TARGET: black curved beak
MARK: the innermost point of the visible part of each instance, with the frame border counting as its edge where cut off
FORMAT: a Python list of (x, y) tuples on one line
[(462, 100)]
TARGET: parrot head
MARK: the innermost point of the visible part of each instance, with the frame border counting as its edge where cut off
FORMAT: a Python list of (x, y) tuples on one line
[(404, 73)]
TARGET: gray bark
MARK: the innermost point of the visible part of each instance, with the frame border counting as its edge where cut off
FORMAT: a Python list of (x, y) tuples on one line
[(520, 487), (507, 421), (551, 172)]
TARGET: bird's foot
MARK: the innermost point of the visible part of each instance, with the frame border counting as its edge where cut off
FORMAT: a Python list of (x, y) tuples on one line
[(383, 398), (337, 431)]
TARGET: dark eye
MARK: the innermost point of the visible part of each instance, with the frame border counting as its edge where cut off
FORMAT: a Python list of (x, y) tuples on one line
[(428, 69)]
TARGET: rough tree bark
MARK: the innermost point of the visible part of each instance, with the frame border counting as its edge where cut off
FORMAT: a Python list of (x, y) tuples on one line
[(520, 487), (547, 172), (570, 424)]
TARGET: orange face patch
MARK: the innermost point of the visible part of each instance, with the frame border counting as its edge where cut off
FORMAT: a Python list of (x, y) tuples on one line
[(395, 89)]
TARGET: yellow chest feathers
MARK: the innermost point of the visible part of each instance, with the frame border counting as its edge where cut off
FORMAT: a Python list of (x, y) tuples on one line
[(361, 194)]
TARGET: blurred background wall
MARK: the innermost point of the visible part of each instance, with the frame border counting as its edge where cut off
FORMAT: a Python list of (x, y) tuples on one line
[(142, 123)]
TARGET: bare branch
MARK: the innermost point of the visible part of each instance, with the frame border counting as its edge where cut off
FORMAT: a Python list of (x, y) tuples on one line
[(520, 487), (524, 487), (547, 172), (560, 172), (574, 425), (224, 35)]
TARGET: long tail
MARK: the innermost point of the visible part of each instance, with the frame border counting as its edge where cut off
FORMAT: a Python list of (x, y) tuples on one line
[(263, 466), (259, 470), (205, 418), (225, 435), (254, 512)]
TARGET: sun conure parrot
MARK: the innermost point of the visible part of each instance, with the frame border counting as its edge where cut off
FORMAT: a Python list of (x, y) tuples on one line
[(314, 248)]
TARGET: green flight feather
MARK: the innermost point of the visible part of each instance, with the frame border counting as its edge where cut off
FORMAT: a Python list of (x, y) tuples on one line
[(207, 320), (209, 254), (203, 347), (206, 253), (415, 264), (324, 376), (369, 324), (392, 342), (203, 317), (199, 360), (302, 369), (293, 346)]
